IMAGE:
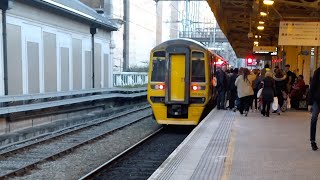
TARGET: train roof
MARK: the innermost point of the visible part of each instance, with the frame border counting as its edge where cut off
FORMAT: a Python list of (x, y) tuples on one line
[(188, 42)]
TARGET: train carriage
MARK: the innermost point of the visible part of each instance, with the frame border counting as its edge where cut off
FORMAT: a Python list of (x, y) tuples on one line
[(180, 84)]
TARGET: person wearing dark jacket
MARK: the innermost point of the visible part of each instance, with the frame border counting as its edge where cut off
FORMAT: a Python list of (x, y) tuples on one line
[(233, 88), (221, 87), (314, 100), (267, 93), (280, 82)]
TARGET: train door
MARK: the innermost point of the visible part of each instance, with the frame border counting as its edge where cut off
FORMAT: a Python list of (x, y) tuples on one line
[(178, 81), (177, 77)]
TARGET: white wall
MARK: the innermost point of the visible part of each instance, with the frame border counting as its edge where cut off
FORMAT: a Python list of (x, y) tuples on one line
[(33, 23)]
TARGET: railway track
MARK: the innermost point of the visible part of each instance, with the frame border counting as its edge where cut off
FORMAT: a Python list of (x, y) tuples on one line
[(143, 158), (17, 160)]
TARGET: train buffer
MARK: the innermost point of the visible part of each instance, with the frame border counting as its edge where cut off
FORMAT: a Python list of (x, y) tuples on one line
[(227, 145)]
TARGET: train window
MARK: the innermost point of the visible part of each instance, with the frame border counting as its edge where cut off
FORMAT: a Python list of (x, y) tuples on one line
[(198, 71), (159, 54), (197, 54), (158, 70)]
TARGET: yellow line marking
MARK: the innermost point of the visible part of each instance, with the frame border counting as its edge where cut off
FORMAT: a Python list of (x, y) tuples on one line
[(229, 157)]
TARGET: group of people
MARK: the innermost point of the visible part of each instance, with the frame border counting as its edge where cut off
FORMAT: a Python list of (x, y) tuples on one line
[(240, 88)]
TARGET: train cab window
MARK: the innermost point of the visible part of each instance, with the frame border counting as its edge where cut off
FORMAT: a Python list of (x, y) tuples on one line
[(198, 71), (197, 54), (158, 70)]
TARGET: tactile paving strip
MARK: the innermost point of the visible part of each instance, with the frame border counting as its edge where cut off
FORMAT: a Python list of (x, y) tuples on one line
[(212, 161)]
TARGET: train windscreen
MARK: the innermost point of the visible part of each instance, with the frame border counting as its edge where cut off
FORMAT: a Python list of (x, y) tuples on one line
[(198, 71), (158, 70)]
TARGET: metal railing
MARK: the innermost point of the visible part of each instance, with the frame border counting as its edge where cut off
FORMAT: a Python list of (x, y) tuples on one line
[(122, 79)]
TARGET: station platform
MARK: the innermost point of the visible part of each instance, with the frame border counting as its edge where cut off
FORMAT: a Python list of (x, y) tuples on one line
[(227, 145)]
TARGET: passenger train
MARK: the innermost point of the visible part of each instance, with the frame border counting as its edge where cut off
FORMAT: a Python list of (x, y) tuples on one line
[(181, 81)]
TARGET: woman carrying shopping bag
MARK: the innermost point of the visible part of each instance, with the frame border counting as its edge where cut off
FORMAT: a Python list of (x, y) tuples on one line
[(267, 93)]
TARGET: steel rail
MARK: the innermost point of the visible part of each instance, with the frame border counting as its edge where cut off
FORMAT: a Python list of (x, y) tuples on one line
[(95, 171), (25, 168)]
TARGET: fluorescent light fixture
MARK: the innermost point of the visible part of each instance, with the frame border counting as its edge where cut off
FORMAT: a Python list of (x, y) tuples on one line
[(260, 28), (263, 14), (261, 22), (69, 9), (268, 2)]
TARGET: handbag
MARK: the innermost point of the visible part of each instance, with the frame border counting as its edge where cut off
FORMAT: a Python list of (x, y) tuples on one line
[(275, 103)]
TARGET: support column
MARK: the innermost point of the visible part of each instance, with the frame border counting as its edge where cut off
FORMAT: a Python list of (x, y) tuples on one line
[(304, 64), (159, 23), (5, 55), (126, 32), (318, 57), (292, 56)]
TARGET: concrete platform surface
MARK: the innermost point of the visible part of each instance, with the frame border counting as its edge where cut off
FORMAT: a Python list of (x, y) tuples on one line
[(227, 145)]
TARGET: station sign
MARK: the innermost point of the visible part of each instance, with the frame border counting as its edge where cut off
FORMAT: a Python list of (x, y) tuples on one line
[(264, 49), (296, 33)]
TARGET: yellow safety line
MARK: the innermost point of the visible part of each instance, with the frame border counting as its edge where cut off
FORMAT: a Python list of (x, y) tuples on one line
[(229, 158)]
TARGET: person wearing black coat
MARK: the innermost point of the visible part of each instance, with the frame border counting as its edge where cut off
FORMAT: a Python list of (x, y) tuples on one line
[(222, 87), (267, 93), (232, 88), (314, 100), (280, 82)]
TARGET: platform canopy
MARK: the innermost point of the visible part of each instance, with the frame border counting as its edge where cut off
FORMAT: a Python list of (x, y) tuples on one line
[(237, 18)]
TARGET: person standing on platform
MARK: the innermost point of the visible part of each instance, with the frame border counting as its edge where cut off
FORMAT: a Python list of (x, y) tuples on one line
[(291, 78), (268, 93), (314, 101), (221, 87), (245, 90), (233, 89)]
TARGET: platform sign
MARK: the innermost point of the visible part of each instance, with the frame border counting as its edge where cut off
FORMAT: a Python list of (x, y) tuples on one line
[(264, 49), (299, 33)]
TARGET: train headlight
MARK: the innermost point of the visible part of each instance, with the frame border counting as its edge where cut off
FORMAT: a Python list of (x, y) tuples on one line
[(158, 87), (195, 88)]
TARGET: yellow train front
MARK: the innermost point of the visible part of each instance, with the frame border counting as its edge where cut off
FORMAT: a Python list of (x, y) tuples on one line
[(179, 81)]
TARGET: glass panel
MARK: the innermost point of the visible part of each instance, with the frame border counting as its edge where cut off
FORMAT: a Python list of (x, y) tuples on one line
[(158, 70), (198, 71), (197, 55)]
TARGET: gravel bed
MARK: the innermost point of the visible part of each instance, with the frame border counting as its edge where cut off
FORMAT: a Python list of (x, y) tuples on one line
[(86, 158)]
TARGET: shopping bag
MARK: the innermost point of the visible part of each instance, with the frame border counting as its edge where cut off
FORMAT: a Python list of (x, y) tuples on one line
[(259, 92), (275, 104)]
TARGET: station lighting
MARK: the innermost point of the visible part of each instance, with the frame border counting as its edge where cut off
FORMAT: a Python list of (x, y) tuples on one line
[(268, 2), (263, 13), (256, 36), (261, 22), (260, 28), (256, 43)]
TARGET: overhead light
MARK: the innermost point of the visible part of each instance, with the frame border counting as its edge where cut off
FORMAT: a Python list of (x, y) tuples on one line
[(259, 36), (263, 14), (256, 36), (260, 28), (256, 43), (261, 22), (268, 2)]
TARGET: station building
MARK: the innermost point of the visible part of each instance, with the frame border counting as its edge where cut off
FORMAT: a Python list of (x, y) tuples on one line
[(50, 45)]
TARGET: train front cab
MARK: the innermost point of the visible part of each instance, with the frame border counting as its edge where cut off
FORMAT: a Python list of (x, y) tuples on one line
[(176, 94)]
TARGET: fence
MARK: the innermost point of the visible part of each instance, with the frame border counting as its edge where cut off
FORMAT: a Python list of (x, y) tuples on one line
[(121, 79)]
